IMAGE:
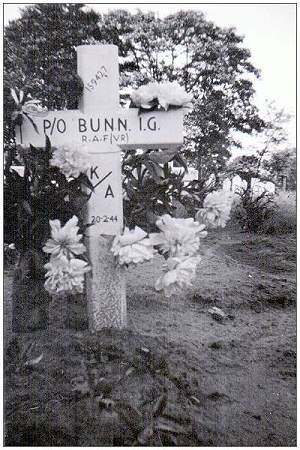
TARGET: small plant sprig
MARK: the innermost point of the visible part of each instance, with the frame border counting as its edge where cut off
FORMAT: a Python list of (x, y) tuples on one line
[(26, 107)]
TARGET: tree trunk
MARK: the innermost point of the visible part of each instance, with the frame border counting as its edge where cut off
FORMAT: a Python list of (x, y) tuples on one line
[(284, 178)]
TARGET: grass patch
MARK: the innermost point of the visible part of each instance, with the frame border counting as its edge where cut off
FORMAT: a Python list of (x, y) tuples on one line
[(273, 254)]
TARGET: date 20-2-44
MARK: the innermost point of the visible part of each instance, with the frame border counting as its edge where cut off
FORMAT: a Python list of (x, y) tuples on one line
[(104, 219)]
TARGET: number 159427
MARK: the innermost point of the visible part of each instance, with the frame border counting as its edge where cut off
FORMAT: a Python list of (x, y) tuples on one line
[(102, 73)]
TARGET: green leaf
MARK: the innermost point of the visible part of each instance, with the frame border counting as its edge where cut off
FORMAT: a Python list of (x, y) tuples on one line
[(32, 122), (164, 156), (84, 179), (48, 145), (155, 170), (14, 96), (180, 159), (160, 405)]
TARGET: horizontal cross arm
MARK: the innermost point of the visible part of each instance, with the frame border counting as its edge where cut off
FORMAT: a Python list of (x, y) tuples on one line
[(123, 127)]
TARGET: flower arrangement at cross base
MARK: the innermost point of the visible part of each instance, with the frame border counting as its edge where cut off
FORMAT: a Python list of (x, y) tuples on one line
[(65, 276), (65, 272), (132, 247), (178, 241), (178, 274), (178, 237)]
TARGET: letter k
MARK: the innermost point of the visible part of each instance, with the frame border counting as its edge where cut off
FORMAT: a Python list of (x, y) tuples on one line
[(94, 172)]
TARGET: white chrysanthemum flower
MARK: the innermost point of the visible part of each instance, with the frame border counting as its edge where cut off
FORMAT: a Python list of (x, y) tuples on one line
[(72, 161), (144, 95), (216, 209), (213, 217), (65, 276), (132, 247), (178, 275), (173, 94), (168, 93), (178, 237), (64, 241), (219, 199)]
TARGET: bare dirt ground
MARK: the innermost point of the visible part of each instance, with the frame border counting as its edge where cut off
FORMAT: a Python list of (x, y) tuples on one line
[(176, 376)]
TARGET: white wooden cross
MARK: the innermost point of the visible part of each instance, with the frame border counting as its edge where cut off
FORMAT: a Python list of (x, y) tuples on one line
[(104, 128)]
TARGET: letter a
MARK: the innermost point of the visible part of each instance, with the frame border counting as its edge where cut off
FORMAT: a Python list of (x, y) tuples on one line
[(109, 192)]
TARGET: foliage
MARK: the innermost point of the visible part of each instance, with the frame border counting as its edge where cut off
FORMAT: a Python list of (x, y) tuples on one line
[(210, 62), (248, 167), (284, 216), (273, 137), (253, 210), (40, 56), (283, 164), (206, 60), (42, 194), (263, 163), (39, 51), (149, 186), (266, 213)]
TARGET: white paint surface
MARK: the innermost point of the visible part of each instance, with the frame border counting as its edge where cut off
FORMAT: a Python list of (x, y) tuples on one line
[(119, 127)]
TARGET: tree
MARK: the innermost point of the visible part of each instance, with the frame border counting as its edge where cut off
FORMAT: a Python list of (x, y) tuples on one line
[(185, 47), (283, 168), (40, 55), (248, 167), (265, 146), (253, 209), (211, 124), (208, 60)]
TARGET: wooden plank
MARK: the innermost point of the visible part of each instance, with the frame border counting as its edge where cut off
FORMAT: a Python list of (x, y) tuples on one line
[(125, 128)]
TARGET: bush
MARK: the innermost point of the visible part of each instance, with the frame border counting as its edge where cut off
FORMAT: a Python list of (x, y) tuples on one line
[(284, 218), (253, 210)]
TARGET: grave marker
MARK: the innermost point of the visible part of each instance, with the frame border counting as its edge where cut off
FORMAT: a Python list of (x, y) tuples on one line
[(104, 128)]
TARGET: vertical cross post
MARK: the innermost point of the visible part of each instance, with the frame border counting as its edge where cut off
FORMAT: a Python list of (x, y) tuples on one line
[(106, 290), (103, 128)]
